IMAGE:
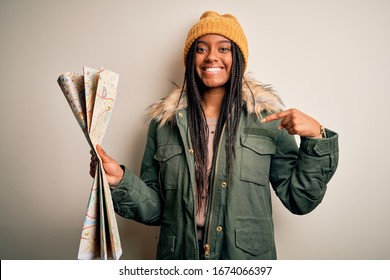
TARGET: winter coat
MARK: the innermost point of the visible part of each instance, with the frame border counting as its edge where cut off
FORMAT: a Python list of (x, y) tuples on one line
[(239, 222)]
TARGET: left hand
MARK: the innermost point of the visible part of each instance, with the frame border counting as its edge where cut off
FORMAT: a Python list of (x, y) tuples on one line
[(296, 122)]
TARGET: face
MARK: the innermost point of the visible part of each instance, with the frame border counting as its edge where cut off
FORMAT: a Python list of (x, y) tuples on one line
[(213, 60)]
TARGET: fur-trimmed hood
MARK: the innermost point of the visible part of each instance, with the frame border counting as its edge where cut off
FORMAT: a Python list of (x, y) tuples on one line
[(257, 97)]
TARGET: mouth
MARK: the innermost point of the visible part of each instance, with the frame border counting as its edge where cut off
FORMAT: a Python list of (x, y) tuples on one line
[(212, 70)]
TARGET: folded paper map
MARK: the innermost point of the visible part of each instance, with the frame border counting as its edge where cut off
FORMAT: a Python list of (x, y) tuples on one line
[(91, 96)]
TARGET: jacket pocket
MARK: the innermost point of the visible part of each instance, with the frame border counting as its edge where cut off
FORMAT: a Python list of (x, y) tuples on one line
[(254, 236), (256, 153), (169, 159)]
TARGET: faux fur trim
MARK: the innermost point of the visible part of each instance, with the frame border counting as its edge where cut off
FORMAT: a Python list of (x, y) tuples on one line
[(259, 98)]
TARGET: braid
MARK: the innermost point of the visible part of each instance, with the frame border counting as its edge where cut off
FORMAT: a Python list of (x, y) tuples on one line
[(229, 117), (231, 108), (197, 124)]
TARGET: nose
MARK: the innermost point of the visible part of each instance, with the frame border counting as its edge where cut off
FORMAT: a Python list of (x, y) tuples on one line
[(212, 55)]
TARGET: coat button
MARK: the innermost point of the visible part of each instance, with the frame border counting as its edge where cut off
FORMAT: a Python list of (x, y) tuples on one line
[(191, 151), (224, 184), (219, 228), (180, 115)]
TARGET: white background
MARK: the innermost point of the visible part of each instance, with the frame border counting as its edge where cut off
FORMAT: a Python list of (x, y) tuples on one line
[(330, 59)]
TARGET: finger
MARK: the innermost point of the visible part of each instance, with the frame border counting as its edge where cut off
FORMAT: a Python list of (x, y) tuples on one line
[(292, 131), (92, 167), (93, 163), (93, 157), (92, 173), (287, 123), (103, 155), (275, 117)]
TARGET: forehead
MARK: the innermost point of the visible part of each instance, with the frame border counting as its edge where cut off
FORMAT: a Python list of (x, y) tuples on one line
[(213, 38)]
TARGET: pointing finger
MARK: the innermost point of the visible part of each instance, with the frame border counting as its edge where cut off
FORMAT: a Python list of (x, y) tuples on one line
[(275, 117)]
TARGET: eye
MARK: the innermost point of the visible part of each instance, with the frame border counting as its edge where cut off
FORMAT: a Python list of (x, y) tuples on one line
[(200, 50), (224, 50)]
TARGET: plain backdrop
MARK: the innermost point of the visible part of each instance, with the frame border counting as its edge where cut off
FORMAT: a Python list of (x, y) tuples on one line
[(330, 59)]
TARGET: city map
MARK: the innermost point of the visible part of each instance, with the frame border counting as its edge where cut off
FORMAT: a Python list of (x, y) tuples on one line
[(91, 97)]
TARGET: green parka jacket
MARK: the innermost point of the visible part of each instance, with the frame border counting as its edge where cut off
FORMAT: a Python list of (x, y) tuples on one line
[(239, 223)]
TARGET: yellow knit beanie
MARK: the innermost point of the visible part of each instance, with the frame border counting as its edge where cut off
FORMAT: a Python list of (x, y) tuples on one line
[(213, 23)]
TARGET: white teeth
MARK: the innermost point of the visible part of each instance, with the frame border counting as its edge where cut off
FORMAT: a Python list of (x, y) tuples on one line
[(214, 70)]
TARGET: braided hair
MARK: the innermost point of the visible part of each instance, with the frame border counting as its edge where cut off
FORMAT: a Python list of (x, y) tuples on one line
[(229, 116)]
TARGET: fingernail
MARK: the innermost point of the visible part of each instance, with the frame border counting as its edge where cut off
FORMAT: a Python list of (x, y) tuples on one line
[(263, 120)]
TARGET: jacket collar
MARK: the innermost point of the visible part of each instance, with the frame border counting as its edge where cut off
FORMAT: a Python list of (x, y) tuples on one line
[(259, 99)]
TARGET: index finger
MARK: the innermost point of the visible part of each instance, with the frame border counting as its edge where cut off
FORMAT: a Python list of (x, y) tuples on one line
[(275, 117)]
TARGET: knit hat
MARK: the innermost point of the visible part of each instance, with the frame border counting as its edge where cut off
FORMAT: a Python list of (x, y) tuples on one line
[(213, 23)]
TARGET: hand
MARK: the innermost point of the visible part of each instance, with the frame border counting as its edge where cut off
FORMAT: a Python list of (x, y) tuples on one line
[(296, 122), (113, 170)]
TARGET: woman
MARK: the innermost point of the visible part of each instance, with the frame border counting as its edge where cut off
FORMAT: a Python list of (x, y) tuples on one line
[(213, 148)]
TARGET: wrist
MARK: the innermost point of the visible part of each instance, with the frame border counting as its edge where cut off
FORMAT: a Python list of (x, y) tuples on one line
[(118, 179), (321, 133)]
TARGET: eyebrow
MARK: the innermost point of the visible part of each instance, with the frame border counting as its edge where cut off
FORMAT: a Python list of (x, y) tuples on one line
[(219, 42)]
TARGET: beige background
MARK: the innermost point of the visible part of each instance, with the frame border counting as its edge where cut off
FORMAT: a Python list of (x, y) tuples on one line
[(330, 59)]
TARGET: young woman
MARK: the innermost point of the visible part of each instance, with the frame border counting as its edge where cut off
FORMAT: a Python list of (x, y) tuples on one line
[(213, 148)]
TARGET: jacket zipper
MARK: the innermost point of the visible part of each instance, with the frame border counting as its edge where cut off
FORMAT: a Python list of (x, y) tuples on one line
[(207, 245)]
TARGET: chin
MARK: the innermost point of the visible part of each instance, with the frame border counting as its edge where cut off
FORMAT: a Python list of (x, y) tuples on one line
[(214, 83)]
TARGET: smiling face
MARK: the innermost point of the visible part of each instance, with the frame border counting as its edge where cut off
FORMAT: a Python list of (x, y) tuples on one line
[(213, 60)]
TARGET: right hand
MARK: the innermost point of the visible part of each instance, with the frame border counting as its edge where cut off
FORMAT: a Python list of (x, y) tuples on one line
[(113, 170)]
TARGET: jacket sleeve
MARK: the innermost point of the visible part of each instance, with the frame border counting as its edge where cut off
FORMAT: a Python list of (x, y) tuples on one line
[(139, 198), (299, 177)]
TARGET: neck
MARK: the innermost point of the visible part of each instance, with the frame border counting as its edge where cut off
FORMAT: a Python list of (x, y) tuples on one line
[(212, 99)]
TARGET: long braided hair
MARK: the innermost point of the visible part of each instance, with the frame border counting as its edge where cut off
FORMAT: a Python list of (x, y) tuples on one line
[(229, 116)]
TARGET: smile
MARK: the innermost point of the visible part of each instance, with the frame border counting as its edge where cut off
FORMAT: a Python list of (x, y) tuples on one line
[(213, 70)]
